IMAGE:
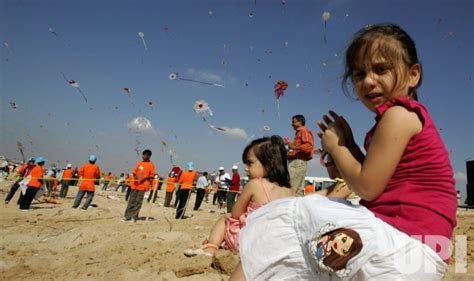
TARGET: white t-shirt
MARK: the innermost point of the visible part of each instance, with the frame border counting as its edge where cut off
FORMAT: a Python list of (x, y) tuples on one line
[(202, 182), (222, 181)]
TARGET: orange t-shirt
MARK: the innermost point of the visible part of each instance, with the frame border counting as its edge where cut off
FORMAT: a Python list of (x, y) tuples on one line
[(186, 179), (171, 184), (130, 181), (89, 173), (144, 171), (68, 174), (36, 177), (309, 188)]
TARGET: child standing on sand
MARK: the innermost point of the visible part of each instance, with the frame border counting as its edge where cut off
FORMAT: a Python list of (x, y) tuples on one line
[(266, 166)]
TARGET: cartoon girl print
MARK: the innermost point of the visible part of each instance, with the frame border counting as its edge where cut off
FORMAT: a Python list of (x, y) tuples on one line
[(332, 248)]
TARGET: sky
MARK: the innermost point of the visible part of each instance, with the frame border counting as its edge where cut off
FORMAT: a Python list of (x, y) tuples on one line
[(240, 48)]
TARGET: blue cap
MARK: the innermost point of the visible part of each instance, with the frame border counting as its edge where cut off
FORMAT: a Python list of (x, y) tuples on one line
[(39, 160), (92, 158), (32, 159), (190, 166)]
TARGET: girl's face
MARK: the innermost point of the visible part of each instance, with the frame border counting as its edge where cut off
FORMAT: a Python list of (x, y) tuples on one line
[(253, 167), (341, 244), (378, 81)]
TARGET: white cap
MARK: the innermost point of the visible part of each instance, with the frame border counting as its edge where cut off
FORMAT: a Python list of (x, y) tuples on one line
[(221, 168), (68, 166), (235, 167)]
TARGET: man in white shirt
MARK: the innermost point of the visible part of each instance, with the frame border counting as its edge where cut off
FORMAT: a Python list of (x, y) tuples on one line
[(223, 180), (201, 185)]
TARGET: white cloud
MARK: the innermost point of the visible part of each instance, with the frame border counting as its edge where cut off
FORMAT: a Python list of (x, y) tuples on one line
[(236, 133), (204, 75)]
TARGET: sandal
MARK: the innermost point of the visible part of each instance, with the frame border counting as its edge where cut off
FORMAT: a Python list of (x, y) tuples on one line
[(200, 251)]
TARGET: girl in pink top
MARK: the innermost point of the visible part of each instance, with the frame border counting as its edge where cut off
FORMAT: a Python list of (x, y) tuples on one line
[(403, 228), (265, 162)]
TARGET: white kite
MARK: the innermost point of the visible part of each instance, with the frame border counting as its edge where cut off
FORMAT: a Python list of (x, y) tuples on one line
[(74, 84), (142, 36)]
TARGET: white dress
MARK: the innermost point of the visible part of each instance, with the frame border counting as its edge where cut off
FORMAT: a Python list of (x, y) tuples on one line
[(287, 239)]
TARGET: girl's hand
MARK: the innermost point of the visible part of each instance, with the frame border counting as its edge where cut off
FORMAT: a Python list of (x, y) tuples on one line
[(332, 137), (341, 123)]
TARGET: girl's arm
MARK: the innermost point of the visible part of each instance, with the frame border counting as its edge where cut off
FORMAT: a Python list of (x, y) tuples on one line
[(369, 178), (244, 198)]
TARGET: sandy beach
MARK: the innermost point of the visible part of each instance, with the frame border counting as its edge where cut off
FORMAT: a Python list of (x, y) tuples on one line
[(57, 242)]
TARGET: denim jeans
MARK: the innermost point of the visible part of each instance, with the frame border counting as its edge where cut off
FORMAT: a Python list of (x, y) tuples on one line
[(80, 194)]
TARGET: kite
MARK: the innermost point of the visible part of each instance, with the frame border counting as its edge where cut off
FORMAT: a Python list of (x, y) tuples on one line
[(142, 36), (74, 84), (202, 108), (172, 153), (174, 76), (51, 30), (166, 29), (13, 105), (266, 128), (210, 13), (326, 17), (151, 104), (127, 91), (20, 148), (279, 90), (140, 125), (250, 15)]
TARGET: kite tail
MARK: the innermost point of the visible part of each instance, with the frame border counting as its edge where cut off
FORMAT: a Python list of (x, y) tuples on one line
[(278, 107), (82, 94)]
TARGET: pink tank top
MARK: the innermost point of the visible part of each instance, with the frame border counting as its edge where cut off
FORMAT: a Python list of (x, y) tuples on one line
[(233, 226), (420, 198)]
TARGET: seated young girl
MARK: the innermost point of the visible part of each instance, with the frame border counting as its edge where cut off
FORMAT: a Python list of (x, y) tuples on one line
[(266, 166)]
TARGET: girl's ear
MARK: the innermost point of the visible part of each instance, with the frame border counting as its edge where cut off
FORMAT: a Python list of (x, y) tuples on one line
[(414, 74)]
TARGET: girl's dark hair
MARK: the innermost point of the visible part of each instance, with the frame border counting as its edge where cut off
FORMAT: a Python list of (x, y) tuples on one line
[(397, 46), (271, 152)]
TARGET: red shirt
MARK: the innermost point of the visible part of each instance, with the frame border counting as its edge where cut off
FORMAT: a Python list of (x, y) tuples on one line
[(235, 186), (305, 141), (144, 172), (420, 198), (89, 173)]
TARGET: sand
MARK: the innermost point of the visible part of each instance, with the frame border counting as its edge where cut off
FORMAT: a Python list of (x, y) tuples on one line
[(56, 242)]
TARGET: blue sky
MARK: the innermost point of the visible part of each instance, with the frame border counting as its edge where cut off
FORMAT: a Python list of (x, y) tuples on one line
[(244, 46)]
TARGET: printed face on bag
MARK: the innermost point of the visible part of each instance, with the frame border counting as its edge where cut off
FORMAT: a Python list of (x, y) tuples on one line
[(341, 244)]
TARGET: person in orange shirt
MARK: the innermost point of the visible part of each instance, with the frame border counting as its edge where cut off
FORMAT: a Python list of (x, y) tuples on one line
[(23, 172), (186, 181), (143, 173), (301, 151), (33, 185), (107, 180), (171, 182), (66, 180), (130, 181), (89, 172), (309, 189)]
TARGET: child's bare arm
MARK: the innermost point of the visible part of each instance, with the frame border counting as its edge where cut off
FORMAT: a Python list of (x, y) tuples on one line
[(244, 198)]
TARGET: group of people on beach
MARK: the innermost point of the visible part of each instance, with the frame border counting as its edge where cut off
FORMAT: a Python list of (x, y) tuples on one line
[(407, 212)]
